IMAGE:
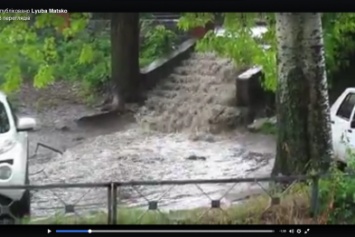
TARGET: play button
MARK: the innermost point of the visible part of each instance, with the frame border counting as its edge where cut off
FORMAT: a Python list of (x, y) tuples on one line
[(49, 231)]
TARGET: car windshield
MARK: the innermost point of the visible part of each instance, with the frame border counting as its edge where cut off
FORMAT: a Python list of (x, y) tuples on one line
[(4, 119)]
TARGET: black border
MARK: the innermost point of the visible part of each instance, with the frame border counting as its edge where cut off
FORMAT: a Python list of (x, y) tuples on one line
[(185, 5), (182, 6), (315, 230)]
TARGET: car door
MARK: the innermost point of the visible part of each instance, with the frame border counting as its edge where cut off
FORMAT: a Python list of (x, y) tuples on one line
[(350, 135), (341, 130)]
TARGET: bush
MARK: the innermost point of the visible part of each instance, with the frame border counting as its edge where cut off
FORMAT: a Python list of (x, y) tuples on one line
[(84, 58), (339, 31), (337, 194), (87, 58), (158, 42)]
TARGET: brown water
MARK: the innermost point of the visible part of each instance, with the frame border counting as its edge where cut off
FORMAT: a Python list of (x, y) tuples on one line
[(197, 99)]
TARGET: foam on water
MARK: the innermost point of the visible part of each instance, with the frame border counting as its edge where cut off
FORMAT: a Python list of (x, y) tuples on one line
[(136, 155), (199, 96)]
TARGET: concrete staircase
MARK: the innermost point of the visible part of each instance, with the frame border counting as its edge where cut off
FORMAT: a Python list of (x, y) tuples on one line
[(200, 95)]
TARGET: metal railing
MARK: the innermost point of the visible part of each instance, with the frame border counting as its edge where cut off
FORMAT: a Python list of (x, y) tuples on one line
[(115, 201)]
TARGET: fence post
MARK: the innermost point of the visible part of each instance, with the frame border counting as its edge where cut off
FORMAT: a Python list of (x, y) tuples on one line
[(315, 194), (109, 204), (114, 203)]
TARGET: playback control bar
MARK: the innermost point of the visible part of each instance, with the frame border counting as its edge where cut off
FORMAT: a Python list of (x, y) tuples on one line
[(268, 230), (272, 232), (99, 231)]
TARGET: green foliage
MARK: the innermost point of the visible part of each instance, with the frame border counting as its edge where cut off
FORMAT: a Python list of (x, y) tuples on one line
[(239, 44), (337, 194), (192, 20), (339, 29), (25, 52), (268, 128), (44, 76), (12, 78), (85, 58), (87, 54), (38, 49), (247, 50), (159, 41)]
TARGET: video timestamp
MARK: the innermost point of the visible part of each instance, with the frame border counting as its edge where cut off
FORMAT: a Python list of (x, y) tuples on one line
[(15, 18)]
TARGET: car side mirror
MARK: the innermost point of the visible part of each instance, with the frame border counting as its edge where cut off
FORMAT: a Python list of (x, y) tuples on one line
[(26, 124), (352, 124)]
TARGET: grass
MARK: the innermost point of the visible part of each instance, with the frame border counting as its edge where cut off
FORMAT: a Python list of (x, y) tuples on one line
[(293, 209), (268, 128)]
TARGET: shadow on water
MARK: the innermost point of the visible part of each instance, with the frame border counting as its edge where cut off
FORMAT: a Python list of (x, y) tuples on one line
[(105, 123)]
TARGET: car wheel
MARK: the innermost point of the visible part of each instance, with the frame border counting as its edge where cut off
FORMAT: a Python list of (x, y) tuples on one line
[(18, 209), (23, 209)]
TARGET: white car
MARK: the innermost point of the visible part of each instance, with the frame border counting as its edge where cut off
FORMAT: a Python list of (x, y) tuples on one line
[(342, 115), (14, 160)]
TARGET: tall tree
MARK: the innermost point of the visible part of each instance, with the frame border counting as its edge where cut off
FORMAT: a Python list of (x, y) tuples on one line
[(304, 138), (124, 58), (303, 108)]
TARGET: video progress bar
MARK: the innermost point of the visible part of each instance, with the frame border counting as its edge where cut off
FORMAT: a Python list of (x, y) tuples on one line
[(91, 231)]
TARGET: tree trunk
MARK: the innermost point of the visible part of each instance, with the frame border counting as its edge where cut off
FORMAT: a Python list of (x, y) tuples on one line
[(304, 133), (125, 58)]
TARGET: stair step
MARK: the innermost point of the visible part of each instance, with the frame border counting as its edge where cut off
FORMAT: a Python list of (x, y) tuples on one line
[(205, 61), (206, 56), (199, 70), (188, 79)]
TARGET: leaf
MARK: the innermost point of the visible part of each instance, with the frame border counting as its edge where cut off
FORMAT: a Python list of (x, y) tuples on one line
[(49, 49), (78, 25), (191, 20), (44, 76), (243, 49), (33, 53), (12, 79), (86, 55), (43, 20)]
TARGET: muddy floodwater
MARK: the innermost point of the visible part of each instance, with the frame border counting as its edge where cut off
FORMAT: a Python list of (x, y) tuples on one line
[(153, 142), (135, 155)]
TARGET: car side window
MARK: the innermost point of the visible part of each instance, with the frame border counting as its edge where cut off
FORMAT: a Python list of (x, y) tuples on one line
[(4, 120), (346, 108)]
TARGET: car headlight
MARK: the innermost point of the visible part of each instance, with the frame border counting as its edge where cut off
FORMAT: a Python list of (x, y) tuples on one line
[(6, 146), (5, 172)]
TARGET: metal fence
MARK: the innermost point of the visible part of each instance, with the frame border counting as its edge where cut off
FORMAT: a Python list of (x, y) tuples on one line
[(108, 205)]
